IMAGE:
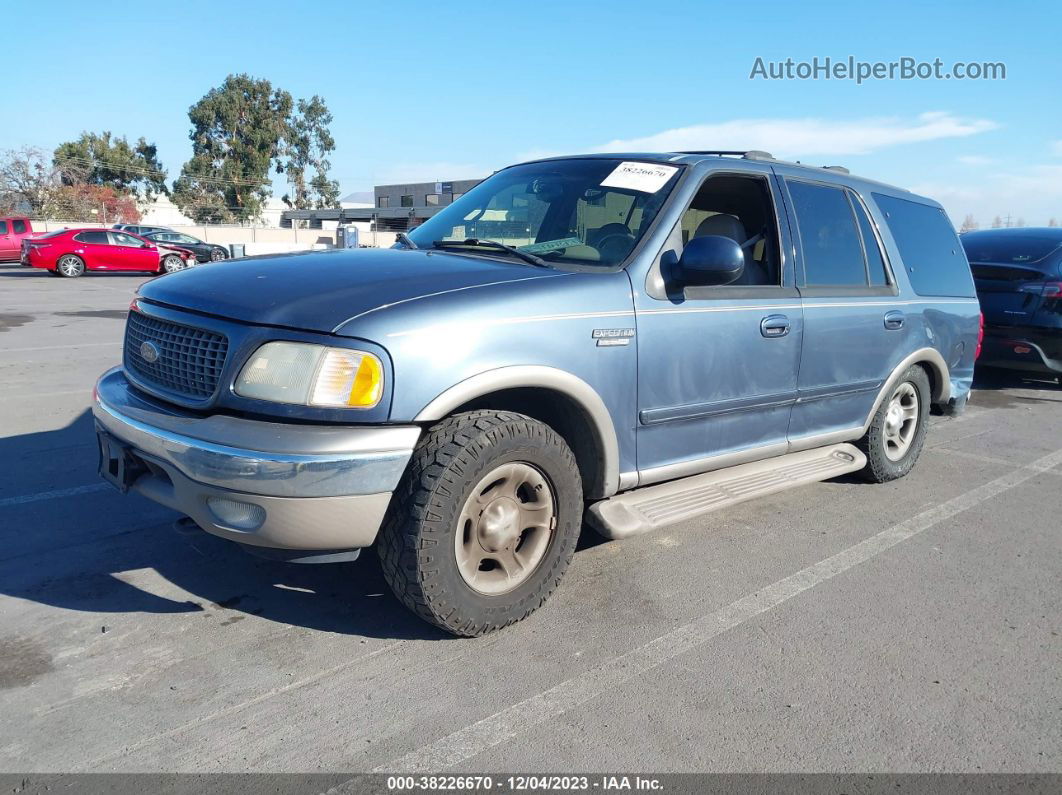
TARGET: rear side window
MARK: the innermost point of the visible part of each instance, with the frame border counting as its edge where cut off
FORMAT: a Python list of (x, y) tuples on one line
[(931, 252), (19, 227), (92, 237), (833, 253)]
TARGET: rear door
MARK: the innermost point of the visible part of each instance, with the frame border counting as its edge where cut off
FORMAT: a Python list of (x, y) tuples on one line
[(93, 246), (853, 319)]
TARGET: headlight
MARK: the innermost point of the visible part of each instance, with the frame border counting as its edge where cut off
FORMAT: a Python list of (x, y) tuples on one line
[(312, 375)]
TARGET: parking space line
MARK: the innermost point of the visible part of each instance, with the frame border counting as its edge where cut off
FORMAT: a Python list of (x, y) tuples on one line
[(23, 499), (987, 459), (562, 698)]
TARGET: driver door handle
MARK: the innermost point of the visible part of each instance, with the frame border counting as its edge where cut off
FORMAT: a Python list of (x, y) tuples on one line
[(774, 326)]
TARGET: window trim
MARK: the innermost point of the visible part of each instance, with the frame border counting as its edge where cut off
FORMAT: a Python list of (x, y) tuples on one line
[(835, 290), (890, 276)]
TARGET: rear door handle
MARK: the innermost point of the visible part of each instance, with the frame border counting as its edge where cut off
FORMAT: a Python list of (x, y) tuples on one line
[(894, 320), (774, 326)]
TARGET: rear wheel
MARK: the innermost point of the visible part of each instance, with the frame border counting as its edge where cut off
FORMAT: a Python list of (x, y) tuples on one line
[(70, 266), (485, 522), (171, 263), (897, 433)]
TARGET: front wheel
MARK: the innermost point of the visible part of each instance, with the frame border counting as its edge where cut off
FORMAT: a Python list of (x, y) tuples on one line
[(485, 522), (217, 255), (70, 266), (171, 263), (894, 440)]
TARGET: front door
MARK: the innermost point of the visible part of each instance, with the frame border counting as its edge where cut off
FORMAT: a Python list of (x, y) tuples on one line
[(854, 323), (7, 240), (130, 253), (717, 366)]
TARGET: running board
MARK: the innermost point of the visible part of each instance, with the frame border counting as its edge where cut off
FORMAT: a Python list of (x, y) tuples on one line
[(653, 507)]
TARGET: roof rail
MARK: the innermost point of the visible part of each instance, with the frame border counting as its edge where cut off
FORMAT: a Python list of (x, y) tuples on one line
[(838, 169), (752, 154)]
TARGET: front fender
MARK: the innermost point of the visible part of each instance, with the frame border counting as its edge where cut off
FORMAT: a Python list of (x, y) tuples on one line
[(538, 377)]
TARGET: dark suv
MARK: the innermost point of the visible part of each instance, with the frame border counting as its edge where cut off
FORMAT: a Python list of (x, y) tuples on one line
[(1018, 273)]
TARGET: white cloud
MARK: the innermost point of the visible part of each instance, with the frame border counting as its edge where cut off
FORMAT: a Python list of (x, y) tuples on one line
[(975, 160), (809, 136), (1032, 193)]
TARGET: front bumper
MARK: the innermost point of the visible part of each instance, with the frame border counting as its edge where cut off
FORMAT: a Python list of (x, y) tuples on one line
[(313, 487)]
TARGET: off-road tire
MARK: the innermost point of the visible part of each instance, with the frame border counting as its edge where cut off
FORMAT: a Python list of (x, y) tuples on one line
[(416, 543), (880, 468)]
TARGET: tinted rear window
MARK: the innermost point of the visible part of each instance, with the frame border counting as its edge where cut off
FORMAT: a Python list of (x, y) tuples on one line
[(1007, 249), (92, 237), (932, 255), (833, 254)]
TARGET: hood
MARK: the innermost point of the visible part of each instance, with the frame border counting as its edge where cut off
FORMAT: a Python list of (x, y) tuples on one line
[(321, 290)]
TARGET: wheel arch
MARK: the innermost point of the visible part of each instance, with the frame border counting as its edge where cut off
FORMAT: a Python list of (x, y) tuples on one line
[(930, 360), (556, 397)]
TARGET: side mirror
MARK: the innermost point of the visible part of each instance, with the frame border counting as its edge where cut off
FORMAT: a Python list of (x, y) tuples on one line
[(146, 245), (711, 260)]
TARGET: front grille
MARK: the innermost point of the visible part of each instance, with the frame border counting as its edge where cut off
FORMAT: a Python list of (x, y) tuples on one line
[(189, 360)]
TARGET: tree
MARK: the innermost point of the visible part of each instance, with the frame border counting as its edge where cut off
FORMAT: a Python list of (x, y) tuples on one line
[(1052, 222), (238, 130), (968, 223), (86, 203), (309, 142), (997, 222), (112, 162), (1020, 222), (27, 180)]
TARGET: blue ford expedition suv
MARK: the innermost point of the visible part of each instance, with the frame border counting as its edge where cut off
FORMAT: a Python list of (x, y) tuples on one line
[(638, 339)]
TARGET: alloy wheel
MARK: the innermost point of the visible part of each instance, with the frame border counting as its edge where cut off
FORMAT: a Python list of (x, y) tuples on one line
[(901, 421)]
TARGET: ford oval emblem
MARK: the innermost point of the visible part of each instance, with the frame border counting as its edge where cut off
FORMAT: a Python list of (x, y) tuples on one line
[(149, 351)]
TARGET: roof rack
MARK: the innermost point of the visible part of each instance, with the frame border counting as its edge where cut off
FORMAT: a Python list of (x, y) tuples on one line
[(838, 169), (752, 154)]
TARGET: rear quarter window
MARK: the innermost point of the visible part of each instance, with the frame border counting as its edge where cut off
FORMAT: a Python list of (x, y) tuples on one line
[(932, 254)]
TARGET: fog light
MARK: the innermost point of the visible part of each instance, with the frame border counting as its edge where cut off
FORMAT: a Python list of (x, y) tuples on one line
[(241, 515)]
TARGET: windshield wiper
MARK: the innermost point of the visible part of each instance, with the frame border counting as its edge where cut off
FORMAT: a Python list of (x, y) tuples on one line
[(472, 241), (406, 240)]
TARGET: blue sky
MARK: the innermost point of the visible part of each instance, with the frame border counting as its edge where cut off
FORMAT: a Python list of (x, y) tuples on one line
[(425, 91)]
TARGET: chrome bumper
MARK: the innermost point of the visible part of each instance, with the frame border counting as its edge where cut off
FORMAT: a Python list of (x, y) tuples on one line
[(315, 486)]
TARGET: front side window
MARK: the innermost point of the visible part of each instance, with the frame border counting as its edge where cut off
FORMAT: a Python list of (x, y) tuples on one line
[(588, 212), (187, 239), (829, 238), (122, 239), (739, 208)]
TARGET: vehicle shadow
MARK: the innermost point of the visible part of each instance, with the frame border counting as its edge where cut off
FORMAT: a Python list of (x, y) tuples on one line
[(990, 384), (96, 573)]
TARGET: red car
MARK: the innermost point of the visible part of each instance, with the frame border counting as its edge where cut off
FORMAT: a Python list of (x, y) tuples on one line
[(71, 252)]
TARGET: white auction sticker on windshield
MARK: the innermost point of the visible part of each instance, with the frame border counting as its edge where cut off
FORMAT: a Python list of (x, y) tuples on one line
[(644, 177)]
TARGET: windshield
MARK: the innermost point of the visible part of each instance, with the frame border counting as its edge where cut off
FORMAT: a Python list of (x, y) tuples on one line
[(579, 212), (1010, 249)]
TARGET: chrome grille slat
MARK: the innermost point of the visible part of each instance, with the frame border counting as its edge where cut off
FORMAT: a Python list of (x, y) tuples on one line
[(190, 360)]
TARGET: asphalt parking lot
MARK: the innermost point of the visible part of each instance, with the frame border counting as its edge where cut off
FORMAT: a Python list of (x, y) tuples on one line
[(912, 626)]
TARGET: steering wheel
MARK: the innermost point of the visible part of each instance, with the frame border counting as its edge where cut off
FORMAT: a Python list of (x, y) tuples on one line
[(620, 242)]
